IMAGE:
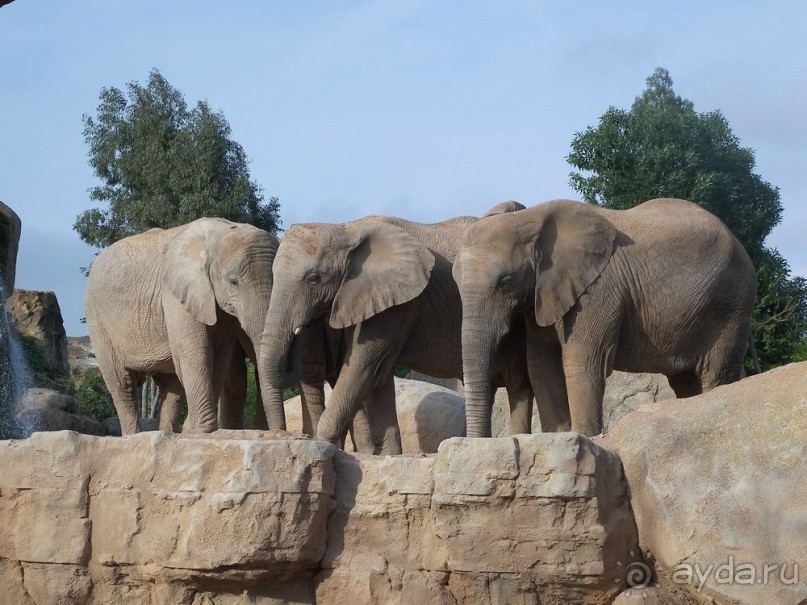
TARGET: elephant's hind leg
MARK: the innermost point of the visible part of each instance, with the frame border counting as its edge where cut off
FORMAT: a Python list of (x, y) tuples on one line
[(549, 386), (123, 387), (233, 395), (361, 432), (520, 400), (685, 384), (172, 394), (384, 419), (312, 400)]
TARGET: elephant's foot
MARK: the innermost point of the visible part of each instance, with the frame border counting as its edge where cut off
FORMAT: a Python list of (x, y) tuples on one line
[(391, 445), (200, 428)]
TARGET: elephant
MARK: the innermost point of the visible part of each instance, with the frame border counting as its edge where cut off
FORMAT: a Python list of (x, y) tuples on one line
[(231, 399), (663, 287), (182, 305), (385, 284)]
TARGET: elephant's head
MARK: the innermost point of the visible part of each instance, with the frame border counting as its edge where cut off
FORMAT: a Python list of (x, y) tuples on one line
[(540, 260), (214, 263), (350, 271)]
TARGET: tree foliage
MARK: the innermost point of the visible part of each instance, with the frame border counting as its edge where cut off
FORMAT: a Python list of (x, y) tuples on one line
[(780, 315), (662, 147), (162, 164)]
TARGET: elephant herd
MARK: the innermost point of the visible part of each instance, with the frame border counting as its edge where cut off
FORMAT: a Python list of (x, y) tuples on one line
[(545, 301)]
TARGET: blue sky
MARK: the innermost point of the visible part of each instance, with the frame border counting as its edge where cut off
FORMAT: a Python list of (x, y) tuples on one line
[(419, 109)]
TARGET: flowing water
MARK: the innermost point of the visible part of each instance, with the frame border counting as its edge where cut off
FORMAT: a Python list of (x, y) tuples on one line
[(15, 377)]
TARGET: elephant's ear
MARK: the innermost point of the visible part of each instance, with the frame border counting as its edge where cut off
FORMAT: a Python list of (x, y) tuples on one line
[(185, 271), (386, 266), (504, 208), (573, 246)]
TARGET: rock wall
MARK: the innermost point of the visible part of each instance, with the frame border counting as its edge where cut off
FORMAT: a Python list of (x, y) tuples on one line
[(251, 517)]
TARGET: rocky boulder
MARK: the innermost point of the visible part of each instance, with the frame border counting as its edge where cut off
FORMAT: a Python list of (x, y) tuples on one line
[(37, 314), (36, 398), (46, 410), (718, 488), (427, 415), (626, 391)]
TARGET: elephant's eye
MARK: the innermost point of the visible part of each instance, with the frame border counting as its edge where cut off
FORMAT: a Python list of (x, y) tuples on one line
[(232, 280), (506, 280), (313, 278)]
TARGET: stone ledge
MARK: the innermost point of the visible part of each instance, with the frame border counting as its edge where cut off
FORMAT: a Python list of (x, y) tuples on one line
[(165, 518)]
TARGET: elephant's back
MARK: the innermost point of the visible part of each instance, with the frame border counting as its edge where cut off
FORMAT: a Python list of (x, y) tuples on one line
[(695, 237), (441, 238), (684, 273), (124, 292), (131, 259), (677, 217)]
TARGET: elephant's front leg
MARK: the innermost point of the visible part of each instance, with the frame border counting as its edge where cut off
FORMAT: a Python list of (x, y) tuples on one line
[(369, 361), (585, 367), (193, 359)]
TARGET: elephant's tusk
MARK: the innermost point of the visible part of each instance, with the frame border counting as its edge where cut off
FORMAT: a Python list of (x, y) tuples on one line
[(297, 330)]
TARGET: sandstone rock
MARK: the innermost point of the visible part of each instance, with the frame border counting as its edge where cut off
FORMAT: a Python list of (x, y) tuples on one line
[(427, 414), (159, 518), (718, 488), (36, 397), (531, 519), (239, 517), (626, 391), (37, 314), (452, 384)]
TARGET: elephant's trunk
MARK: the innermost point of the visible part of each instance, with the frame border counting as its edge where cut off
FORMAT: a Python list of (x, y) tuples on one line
[(253, 323), (272, 401), (278, 357), (479, 341)]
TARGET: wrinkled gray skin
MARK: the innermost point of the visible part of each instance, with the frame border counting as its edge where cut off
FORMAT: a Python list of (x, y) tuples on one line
[(386, 284), (321, 355), (664, 287), (178, 304), (231, 400)]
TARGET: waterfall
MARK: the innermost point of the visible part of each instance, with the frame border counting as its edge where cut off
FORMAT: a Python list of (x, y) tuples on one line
[(15, 377)]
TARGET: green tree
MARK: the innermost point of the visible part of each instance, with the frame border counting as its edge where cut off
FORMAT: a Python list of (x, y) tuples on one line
[(780, 315), (162, 164), (662, 147)]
